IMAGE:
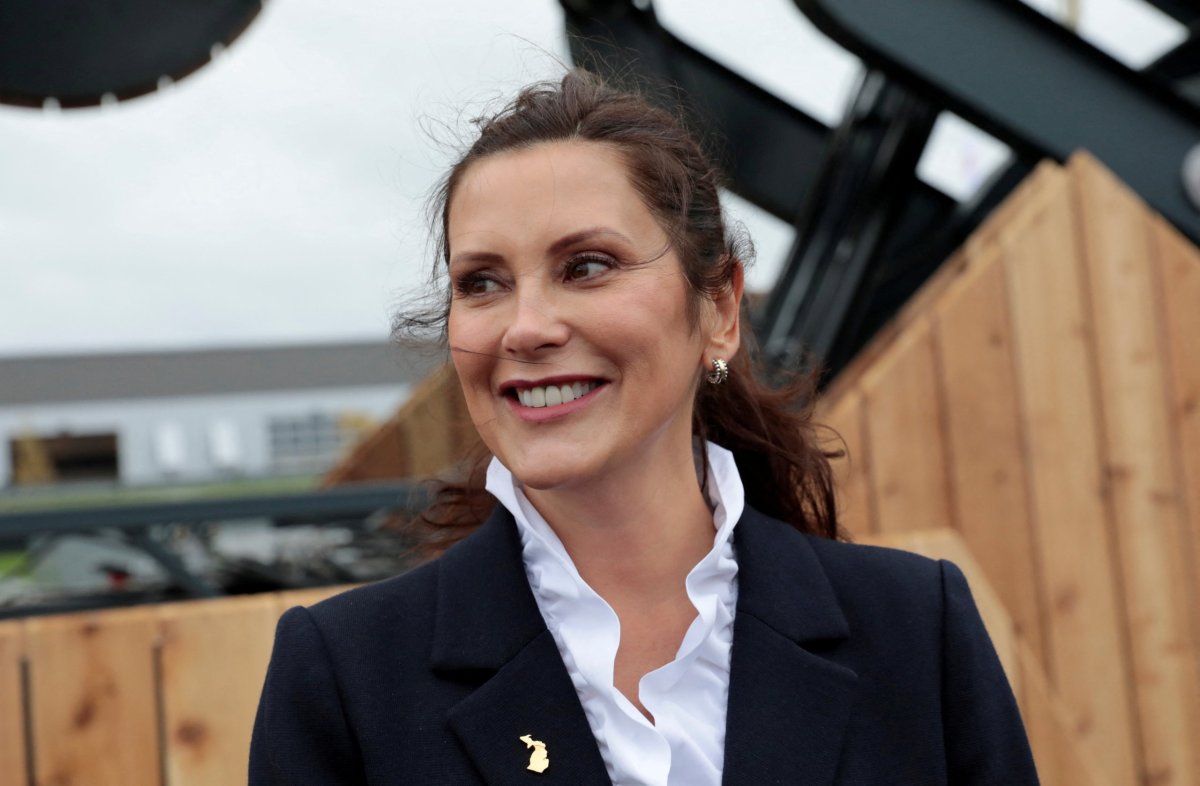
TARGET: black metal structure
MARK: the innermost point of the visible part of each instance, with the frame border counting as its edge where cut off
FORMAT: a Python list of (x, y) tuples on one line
[(135, 524), (869, 168), (1030, 82), (77, 51), (868, 231)]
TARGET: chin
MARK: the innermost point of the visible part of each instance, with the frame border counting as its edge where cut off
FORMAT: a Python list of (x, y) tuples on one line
[(547, 476), (548, 470)]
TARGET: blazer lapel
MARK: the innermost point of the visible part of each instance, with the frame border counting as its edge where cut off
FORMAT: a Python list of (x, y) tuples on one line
[(788, 707), (488, 628)]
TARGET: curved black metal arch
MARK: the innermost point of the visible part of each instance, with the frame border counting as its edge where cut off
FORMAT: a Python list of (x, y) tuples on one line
[(79, 51)]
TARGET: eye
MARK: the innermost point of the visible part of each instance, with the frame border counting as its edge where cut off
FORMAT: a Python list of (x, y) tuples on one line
[(587, 266), (475, 284)]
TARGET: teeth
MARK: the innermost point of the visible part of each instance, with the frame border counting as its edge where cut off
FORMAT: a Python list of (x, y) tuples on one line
[(553, 395)]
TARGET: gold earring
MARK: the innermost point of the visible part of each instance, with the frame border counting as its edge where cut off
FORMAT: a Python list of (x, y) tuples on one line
[(719, 373)]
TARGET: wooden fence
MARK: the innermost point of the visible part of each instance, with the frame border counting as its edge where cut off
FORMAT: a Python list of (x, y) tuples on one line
[(148, 696), (1042, 398), (166, 695)]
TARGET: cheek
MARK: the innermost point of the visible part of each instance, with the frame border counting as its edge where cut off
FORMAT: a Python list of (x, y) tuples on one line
[(471, 362), (472, 334)]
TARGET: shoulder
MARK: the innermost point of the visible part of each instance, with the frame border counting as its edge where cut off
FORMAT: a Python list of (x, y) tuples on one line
[(898, 590), (851, 569), (855, 567), (367, 624), (398, 597), (882, 594), (400, 614)]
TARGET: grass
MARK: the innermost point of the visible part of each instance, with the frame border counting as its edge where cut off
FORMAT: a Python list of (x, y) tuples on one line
[(11, 563), (64, 498)]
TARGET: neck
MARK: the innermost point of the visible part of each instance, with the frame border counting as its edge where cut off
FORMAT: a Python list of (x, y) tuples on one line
[(635, 536)]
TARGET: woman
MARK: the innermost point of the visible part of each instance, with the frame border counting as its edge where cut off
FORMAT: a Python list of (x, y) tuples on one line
[(658, 598)]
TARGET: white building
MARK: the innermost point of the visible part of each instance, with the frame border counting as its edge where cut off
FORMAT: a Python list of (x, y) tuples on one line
[(154, 417)]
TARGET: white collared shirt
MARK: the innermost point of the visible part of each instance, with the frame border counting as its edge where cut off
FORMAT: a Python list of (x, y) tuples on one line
[(685, 746)]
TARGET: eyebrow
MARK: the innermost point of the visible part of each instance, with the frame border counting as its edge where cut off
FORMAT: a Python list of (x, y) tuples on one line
[(585, 234), (564, 242)]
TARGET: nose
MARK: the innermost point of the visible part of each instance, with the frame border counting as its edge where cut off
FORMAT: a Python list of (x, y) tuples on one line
[(536, 325)]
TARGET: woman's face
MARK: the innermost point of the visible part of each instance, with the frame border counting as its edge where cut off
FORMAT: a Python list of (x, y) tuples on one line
[(569, 320)]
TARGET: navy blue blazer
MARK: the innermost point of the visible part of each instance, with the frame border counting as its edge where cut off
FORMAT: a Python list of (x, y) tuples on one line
[(850, 665)]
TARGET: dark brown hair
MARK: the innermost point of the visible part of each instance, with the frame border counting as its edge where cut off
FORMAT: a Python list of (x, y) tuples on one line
[(769, 429)]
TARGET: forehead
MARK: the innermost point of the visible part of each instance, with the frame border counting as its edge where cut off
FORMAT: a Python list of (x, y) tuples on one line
[(549, 189)]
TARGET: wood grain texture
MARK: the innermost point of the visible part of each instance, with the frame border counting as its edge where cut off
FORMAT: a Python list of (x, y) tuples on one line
[(975, 350), (429, 430), (852, 470), (1055, 368), (1061, 761), (92, 690), (13, 766), (1179, 285), (904, 439), (214, 659), (1141, 478)]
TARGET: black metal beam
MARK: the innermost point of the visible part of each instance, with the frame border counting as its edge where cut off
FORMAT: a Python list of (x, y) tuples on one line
[(1031, 83), (344, 501), (868, 174), (770, 150)]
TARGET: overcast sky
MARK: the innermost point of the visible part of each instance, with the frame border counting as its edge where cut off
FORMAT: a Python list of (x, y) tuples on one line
[(275, 196)]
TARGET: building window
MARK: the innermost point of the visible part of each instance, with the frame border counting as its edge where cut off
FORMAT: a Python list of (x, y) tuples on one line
[(225, 446), (306, 443), (170, 448)]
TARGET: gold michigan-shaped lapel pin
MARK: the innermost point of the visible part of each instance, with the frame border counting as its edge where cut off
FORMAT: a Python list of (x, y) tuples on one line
[(539, 760)]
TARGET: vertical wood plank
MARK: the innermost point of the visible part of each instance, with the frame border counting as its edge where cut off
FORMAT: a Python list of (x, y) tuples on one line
[(1141, 477), (93, 694), (428, 430), (214, 660), (851, 471), (1055, 373), (974, 343), (1179, 284), (904, 435), (13, 766), (1060, 759)]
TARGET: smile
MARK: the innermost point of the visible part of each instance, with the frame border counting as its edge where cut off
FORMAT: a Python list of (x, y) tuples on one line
[(554, 395)]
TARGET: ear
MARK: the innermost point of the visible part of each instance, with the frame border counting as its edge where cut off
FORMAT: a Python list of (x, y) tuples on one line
[(726, 335)]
